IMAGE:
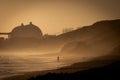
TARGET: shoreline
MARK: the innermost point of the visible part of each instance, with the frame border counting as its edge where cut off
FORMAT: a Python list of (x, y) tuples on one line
[(80, 66), (27, 75)]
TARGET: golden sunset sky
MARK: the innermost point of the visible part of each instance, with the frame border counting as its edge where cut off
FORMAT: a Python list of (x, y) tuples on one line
[(54, 15)]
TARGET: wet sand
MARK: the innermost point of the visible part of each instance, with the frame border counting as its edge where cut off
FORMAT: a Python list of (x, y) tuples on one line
[(68, 69)]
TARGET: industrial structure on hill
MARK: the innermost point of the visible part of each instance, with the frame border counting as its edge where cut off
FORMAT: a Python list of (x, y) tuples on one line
[(24, 31)]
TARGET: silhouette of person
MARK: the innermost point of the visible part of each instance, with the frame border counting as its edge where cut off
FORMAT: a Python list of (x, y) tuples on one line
[(58, 58)]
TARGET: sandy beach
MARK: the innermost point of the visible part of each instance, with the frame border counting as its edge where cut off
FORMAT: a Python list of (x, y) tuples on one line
[(68, 69)]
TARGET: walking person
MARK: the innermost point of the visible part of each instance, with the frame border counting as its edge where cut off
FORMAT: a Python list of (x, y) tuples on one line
[(58, 58)]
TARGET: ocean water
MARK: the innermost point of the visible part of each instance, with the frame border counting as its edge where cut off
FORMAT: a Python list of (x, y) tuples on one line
[(18, 64)]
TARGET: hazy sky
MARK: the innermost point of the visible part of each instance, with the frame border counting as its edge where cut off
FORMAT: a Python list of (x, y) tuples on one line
[(54, 15)]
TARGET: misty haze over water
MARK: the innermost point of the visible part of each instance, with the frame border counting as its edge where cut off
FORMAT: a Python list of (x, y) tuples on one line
[(11, 64), (27, 52)]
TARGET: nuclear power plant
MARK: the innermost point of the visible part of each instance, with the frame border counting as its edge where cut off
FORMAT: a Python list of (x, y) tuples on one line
[(25, 31), (25, 36)]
